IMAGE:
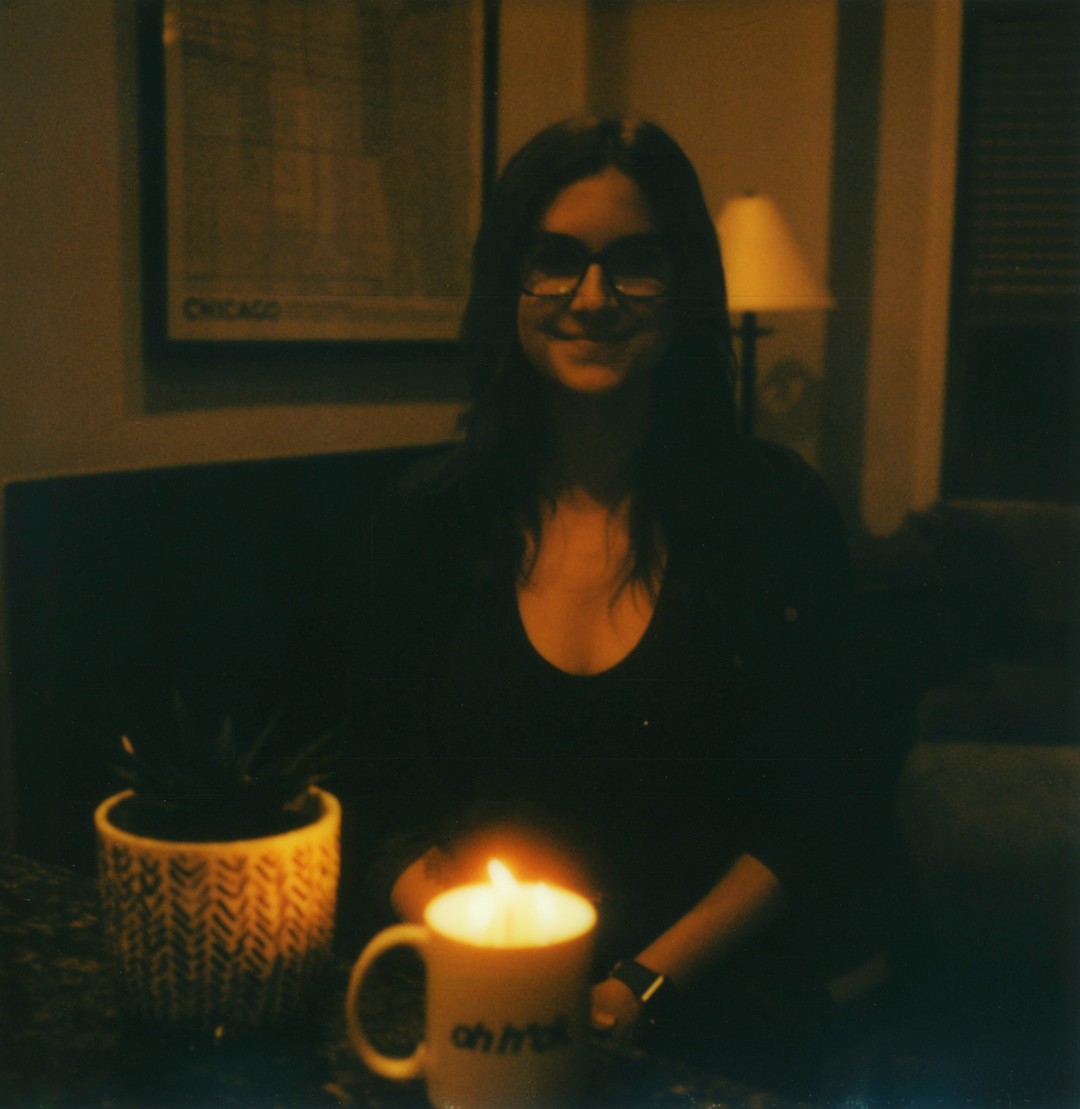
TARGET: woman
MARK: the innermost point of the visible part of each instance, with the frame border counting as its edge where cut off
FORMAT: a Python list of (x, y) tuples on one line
[(612, 644)]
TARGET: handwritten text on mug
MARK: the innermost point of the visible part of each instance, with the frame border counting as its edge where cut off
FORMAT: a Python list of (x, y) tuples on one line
[(540, 1037)]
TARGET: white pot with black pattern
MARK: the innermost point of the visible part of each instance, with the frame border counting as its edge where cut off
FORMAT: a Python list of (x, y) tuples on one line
[(223, 936)]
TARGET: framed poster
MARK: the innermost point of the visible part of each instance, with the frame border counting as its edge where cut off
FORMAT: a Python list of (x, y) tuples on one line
[(322, 167)]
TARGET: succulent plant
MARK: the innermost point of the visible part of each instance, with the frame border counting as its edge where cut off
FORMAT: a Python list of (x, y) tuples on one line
[(205, 784)]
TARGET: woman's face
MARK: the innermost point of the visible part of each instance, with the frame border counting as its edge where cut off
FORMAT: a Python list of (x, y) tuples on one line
[(596, 340)]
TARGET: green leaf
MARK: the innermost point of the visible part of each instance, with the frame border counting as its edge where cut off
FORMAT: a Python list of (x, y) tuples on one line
[(212, 778), (248, 760)]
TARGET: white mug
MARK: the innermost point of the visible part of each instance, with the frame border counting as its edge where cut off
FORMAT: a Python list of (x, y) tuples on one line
[(506, 1009)]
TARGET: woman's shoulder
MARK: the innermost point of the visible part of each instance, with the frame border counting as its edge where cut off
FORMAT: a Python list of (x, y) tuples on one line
[(777, 478), (787, 514), (420, 517), (422, 491)]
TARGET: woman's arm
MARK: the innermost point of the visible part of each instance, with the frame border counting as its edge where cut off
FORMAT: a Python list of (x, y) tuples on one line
[(745, 901), (419, 882)]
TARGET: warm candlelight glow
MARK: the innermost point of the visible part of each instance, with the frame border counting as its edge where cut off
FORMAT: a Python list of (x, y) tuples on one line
[(546, 907), (481, 910), (507, 913)]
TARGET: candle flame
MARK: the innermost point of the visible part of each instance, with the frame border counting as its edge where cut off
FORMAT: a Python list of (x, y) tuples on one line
[(501, 877)]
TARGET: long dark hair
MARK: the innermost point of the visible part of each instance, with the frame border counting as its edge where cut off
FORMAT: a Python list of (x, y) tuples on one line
[(692, 421)]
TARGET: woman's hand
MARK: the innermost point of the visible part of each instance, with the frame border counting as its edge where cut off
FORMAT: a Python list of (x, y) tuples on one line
[(743, 903), (419, 882), (615, 1009)]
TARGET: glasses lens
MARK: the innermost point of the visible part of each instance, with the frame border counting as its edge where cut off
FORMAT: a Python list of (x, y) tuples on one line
[(638, 268), (552, 267)]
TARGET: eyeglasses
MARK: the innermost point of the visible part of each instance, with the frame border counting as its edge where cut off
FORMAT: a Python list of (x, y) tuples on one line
[(637, 267)]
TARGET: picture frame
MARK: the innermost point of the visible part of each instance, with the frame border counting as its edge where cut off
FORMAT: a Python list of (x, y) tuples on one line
[(313, 170)]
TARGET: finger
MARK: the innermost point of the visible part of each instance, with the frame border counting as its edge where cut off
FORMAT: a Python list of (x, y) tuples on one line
[(602, 1021)]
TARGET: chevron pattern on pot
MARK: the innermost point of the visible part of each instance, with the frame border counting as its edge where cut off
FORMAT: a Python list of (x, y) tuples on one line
[(230, 933)]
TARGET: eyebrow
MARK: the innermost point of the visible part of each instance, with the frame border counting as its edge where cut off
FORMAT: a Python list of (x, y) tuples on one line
[(651, 237)]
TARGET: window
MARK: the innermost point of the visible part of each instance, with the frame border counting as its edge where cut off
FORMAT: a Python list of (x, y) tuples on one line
[(1012, 403)]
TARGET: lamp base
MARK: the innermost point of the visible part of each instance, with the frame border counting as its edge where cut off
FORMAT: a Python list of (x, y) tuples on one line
[(748, 336)]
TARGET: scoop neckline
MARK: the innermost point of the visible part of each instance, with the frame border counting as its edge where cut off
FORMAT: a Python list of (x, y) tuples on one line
[(635, 650)]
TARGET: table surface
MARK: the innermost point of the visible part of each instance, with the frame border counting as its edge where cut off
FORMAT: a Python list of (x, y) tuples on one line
[(65, 1042)]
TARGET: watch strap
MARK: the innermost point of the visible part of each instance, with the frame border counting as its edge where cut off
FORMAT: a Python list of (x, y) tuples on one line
[(645, 984)]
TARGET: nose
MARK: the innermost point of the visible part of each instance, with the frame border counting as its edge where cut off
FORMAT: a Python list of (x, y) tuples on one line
[(593, 291)]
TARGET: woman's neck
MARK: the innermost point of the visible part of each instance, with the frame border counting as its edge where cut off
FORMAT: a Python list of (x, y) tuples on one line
[(594, 443)]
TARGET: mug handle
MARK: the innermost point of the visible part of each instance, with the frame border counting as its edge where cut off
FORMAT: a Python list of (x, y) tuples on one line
[(410, 935)]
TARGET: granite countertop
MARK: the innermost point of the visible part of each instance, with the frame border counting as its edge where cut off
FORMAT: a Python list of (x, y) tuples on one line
[(65, 1042)]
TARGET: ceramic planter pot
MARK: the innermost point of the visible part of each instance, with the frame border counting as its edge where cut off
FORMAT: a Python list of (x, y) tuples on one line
[(229, 935)]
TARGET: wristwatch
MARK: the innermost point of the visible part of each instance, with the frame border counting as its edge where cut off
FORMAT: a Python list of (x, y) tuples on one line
[(654, 992)]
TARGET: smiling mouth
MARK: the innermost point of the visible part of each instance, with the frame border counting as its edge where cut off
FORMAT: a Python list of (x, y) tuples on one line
[(594, 340)]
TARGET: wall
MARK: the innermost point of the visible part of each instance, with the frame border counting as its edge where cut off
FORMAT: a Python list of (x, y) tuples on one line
[(905, 400), (543, 66)]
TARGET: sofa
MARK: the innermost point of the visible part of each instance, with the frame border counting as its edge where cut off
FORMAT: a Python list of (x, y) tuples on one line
[(973, 612)]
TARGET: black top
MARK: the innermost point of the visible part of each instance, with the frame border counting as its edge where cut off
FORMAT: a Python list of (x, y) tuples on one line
[(723, 731)]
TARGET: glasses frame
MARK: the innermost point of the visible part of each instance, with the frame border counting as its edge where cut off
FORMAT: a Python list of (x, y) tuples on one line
[(590, 258)]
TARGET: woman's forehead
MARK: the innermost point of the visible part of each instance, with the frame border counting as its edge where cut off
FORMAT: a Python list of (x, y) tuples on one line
[(599, 209)]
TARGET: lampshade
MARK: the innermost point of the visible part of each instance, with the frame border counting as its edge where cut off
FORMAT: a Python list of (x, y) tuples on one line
[(765, 270)]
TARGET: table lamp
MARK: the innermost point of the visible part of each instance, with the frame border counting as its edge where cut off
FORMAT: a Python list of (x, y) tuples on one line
[(765, 272)]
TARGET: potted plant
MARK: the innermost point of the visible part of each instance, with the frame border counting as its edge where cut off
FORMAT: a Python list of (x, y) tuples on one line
[(218, 872)]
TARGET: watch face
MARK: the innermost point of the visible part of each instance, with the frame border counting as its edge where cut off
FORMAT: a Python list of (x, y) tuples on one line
[(657, 982)]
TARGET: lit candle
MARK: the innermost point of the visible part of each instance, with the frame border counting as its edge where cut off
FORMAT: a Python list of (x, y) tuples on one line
[(507, 913), (506, 994)]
